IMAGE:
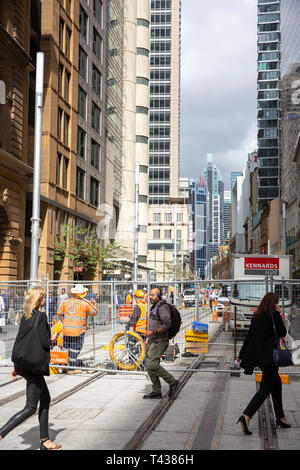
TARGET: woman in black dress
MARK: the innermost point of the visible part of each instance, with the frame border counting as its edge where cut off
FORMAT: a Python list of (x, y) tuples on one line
[(257, 351), (36, 387)]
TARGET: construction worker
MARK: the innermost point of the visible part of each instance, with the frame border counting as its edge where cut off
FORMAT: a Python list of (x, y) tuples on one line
[(129, 298), (146, 295), (138, 318), (75, 311)]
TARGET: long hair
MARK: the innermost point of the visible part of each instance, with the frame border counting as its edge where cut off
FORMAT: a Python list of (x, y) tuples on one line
[(267, 305), (33, 300)]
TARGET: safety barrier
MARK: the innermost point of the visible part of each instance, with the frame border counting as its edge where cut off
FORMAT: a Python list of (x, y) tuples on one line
[(205, 302)]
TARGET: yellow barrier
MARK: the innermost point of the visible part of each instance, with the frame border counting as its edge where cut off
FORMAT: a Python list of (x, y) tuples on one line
[(196, 342), (285, 378)]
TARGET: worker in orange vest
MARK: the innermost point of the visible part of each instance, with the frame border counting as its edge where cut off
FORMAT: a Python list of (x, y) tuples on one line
[(129, 299), (74, 312), (138, 318)]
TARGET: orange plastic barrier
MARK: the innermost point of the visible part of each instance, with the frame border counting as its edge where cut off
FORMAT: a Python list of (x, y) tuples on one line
[(125, 311)]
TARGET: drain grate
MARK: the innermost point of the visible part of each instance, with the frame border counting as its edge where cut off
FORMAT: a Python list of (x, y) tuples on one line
[(79, 413)]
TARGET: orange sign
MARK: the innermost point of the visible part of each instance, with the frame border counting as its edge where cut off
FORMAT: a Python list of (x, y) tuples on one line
[(59, 357)]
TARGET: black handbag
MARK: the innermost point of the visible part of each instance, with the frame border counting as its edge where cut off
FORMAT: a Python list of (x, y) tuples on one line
[(28, 352), (281, 357)]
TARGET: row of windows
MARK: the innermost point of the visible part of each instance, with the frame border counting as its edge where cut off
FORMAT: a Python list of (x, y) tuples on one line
[(269, 46), (81, 187), (159, 174), (267, 133), (268, 37), (268, 75), (160, 46), (82, 149), (160, 131), (159, 188), (267, 85), (268, 18), (159, 116), (268, 8), (167, 234), (159, 146), (160, 75), (142, 81), (268, 193), (161, 89), (268, 56), (271, 143), (267, 104), (142, 51), (267, 172), (265, 95), (268, 162), (160, 60), (161, 4), (268, 27), (142, 110), (161, 32), (159, 103), (268, 114), (161, 18), (143, 22), (167, 217), (268, 153), (265, 124), (268, 66), (160, 200), (160, 160)]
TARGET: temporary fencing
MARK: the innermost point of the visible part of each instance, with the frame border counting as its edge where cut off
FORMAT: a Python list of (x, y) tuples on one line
[(223, 307)]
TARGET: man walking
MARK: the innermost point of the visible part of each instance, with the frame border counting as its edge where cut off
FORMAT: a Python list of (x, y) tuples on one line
[(156, 343)]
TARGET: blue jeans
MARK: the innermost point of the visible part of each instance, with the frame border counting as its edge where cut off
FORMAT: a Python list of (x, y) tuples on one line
[(74, 345)]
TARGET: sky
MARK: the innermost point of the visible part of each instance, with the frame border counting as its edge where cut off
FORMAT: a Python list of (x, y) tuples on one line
[(218, 84)]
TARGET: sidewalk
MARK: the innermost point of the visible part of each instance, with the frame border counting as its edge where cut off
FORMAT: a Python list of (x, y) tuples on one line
[(106, 414)]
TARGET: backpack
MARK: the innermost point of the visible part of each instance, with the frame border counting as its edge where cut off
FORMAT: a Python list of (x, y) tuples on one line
[(175, 321)]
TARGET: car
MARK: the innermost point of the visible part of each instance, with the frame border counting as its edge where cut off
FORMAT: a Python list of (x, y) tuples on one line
[(189, 297), (223, 302)]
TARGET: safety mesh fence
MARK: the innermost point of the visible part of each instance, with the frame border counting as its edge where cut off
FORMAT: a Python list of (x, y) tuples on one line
[(215, 317)]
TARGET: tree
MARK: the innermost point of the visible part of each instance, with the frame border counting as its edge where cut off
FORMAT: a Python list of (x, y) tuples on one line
[(81, 245)]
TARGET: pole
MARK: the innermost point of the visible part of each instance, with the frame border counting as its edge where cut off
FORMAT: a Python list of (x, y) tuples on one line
[(35, 219), (283, 229), (136, 226), (175, 255)]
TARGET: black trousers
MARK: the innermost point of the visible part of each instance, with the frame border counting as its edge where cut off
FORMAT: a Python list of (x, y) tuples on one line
[(36, 391), (270, 383)]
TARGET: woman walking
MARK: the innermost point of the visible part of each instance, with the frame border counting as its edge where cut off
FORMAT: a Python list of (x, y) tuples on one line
[(36, 388), (257, 351)]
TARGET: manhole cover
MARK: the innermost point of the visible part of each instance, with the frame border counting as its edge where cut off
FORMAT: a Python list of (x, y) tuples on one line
[(79, 413)]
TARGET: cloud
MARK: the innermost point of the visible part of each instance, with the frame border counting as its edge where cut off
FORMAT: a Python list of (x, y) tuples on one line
[(218, 84)]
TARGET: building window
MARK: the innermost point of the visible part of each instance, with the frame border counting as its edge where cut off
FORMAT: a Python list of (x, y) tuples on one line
[(95, 154), (60, 78), (81, 103), (142, 110), (156, 234), (80, 177), (96, 117), (81, 142), (83, 23), (66, 129), (61, 33), (142, 139), (179, 234), (142, 81), (98, 10), (94, 192), (142, 51), (96, 81), (65, 172), (68, 43), (156, 217), (67, 85), (167, 235), (82, 62), (142, 22), (168, 217), (179, 217), (59, 124), (97, 44), (58, 168)]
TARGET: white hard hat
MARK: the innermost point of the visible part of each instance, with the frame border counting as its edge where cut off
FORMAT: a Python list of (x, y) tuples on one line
[(79, 289)]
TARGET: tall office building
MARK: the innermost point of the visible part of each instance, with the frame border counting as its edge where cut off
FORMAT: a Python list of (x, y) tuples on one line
[(165, 196), (227, 204), (215, 207), (268, 66), (199, 253), (233, 177), (164, 101), (135, 129)]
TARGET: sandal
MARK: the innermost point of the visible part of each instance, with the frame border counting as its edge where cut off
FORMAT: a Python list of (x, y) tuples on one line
[(43, 447)]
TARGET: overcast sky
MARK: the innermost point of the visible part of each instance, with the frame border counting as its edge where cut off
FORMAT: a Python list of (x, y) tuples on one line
[(218, 84)]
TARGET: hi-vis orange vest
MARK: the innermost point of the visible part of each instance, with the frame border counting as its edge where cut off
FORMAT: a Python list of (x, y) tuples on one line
[(141, 324), (75, 312)]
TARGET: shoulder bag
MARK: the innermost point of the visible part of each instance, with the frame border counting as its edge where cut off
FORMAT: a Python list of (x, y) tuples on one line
[(28, 352), (281, 357)]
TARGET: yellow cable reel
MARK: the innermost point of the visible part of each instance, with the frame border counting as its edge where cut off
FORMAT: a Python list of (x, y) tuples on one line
[(113, 347)]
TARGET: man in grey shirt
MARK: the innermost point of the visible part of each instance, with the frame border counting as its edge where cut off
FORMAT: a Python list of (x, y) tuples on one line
[(156, 343)]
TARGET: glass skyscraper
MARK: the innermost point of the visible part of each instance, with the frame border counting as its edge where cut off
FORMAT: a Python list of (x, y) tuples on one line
[(268, 99), (198, 198)]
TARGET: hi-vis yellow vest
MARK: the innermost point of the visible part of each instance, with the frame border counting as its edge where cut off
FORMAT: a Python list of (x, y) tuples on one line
[(141, 324)]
